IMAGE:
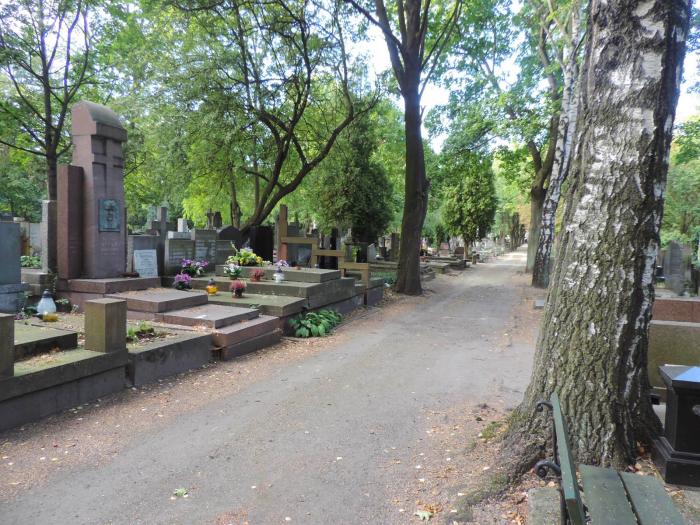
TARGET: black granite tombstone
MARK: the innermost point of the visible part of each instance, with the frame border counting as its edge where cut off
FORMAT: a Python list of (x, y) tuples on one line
[(677, 452), (233, 234), (262, 241)]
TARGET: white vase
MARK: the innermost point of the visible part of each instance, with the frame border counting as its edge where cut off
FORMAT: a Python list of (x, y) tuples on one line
[(278, 276)]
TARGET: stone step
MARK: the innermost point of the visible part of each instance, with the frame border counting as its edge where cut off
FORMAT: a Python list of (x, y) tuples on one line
[(305, 275), (275, 305), (250, 345), (239, 332), (208, 315), (31, 340), (159, 300), (109, 286)]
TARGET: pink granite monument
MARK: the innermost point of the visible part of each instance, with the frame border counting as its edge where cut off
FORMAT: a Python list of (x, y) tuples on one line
[(100, 222)]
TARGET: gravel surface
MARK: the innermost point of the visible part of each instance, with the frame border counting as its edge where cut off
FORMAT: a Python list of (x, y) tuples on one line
[(370, 425)]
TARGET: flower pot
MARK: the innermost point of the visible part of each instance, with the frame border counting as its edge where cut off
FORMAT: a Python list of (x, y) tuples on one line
[(279, 277), (238, 293)]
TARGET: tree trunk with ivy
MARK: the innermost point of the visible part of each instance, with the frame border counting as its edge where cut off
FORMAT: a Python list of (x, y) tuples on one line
[(592, 348)]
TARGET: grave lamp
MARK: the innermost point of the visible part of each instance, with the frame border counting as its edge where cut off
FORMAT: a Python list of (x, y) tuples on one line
[(212, 289), (46, 307)]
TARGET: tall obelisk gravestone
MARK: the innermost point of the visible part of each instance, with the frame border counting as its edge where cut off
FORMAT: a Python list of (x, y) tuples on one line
[(97, 137)]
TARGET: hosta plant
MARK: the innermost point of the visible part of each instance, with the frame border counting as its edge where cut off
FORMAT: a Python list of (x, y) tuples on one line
[(315, 324)]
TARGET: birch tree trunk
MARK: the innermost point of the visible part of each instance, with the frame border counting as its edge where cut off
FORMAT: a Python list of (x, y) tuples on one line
[(562, 157), (592, 348)]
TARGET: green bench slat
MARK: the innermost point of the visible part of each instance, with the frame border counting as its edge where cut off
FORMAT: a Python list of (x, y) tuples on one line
[(606, 498), (569, 484), (650, 501)]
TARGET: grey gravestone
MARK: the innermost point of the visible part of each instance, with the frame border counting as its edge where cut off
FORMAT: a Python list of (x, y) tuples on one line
[(142, 242), (204, 244), (673, 268), (146, 263), (11, 288), (179, 235), (371, 253), (175, 251), (182, 225), (223, 251)]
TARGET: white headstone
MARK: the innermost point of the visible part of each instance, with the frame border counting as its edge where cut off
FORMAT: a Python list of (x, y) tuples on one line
[(182, 225), (146, 263)]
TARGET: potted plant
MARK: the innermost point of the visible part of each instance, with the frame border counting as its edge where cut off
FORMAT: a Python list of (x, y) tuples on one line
[(257, 275), (244, 257), (233, 270), (237, 288), (63, 305), (183, 281), (193, 267), (278, 275)]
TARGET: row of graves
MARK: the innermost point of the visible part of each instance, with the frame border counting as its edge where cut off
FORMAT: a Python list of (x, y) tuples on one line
[(145, 306)]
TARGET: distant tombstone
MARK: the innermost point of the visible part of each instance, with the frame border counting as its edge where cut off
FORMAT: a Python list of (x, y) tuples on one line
[(204, 244), (673, 268), (444, 249), (210, 220), (146, 263), (224, 250), (394, 246), (11, 288), (142, 242), (175, 251), (6, 216), (218, 221), (179, 235), (182, 225), (231, 234), (371, 252), (459, 252)]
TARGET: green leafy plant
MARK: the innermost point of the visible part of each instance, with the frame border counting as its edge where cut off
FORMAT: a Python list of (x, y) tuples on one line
[(142, 331), (315, 324), (30, 261)]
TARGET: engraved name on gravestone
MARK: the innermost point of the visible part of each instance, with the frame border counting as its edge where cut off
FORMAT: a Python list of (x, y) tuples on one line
[(146, 263)]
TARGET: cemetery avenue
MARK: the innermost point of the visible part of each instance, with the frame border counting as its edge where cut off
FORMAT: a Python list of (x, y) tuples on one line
[(328, 432)]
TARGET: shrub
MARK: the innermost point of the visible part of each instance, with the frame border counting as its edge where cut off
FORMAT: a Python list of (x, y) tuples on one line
[(315, 324)]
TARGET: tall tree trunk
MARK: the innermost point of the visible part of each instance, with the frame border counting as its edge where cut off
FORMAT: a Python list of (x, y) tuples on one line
[(592, 349), (562, 163), (537, 195), (416, 196)]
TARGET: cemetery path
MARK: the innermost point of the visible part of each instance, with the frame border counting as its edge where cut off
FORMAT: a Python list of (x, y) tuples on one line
[(335, 431)]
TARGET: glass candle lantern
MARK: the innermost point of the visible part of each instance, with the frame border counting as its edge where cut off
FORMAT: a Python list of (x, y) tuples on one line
[(46, 308), (212, 289)]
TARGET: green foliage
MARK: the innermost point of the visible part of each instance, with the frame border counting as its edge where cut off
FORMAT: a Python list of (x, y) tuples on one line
[(354, 189), (141, 331), (681, 220), (470, 205), (30, 261), (315, 324)]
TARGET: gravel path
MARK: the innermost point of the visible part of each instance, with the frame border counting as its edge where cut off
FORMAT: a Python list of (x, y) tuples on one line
[(324, 432)]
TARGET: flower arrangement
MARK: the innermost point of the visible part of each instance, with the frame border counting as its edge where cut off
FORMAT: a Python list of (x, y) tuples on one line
[(257, 275), (237, 288), (183, 281), (244, 257), (233, 270), (281, 264), (193, 267)]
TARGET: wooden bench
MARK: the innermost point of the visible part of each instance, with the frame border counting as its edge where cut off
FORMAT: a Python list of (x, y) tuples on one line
[(609, 497)]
